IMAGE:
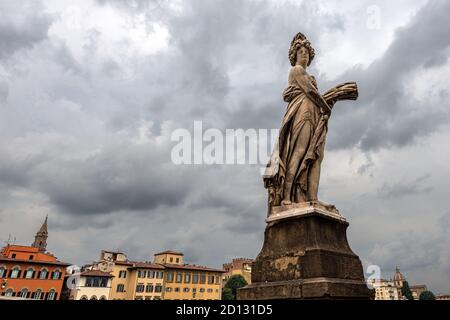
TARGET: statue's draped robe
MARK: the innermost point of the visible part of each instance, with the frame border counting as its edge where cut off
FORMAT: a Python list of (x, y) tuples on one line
[(300, 110)]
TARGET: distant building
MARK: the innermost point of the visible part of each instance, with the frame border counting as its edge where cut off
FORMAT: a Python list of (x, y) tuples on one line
[(416, 290), (167, 277), (239, 266), (188, 282), (443, 297), (91, 285), (384, 289), (30, 272)]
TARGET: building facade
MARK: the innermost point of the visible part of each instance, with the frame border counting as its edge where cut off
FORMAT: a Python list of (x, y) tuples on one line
[(239, 266), (167, 277), (89, 285), (29, 272), (384, 289), (188, 282)]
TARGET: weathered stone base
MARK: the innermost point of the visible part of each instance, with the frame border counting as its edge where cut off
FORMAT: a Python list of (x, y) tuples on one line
[(306, 255), (318, 288)]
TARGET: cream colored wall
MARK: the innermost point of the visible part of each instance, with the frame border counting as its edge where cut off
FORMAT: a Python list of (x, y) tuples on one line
[(165, 258), (114, 295), (89, 292), (134, 280)]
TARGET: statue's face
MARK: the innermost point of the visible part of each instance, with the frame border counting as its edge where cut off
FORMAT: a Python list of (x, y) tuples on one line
[(303, 57)]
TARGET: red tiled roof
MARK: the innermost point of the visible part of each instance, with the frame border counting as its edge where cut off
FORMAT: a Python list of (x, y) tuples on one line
[(59, 263), (96, 273), (146, 265), (191, 267), (169, 252)]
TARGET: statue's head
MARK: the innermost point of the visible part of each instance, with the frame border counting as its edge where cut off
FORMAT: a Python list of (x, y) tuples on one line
[(301, 49)]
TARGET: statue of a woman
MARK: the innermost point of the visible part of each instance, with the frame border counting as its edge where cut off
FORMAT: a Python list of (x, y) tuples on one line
[(292, 175)]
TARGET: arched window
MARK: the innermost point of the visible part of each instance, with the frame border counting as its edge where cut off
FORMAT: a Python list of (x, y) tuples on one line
[(15, 272), (38, 294), (2, 272), (23, 293), (29, 274), (43, 274), (56, 274), (51, 294), (94, 298), (84, 298), (9, 292), (102, 298)]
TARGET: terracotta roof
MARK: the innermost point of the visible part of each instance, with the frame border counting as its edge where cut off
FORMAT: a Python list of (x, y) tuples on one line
[(59, 263), (146, 265), (125, 263), (96, 273), (191, 267), (170, 252)]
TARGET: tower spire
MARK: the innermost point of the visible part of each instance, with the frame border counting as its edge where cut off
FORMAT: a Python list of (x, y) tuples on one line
[(40, 240)]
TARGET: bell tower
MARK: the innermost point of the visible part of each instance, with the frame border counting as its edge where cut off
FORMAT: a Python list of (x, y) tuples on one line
[(40, 240)]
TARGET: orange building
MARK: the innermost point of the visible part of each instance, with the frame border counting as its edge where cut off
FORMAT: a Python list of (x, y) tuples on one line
[(29, 272)]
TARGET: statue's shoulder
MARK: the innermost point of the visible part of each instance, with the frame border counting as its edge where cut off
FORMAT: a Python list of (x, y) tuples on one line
[(297, 70)]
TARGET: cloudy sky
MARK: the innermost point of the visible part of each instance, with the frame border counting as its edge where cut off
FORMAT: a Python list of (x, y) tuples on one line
[(91, 93)]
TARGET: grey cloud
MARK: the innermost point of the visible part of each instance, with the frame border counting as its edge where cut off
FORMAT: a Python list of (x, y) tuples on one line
[(21, 26), (405, 188)]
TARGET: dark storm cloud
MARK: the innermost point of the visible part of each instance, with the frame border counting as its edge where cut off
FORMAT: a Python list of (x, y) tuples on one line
[(21, 26), (406, 188), (385, 114)]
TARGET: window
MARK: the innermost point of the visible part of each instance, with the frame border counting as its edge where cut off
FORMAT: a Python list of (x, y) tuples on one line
[(102, 298), (210, 279), (141, 274), (177, 289), (158, 288), (37, 294), (168, 289), (187, 278), (31, 257), (160, 274), (51, 295), (179, 278), (120, 288), (178, 260), (194, 289), (186, 290), (9, 292), (84, 298), (43, 274), (13, 256), (195, 278), (93, 298), (148, 298), (96, 282), (138, 298), (23, 293), (202, 289), (140, 287), (122, 274), (202, 278), (56, 274), (151, 274), (30, 273), (170, 276), (210, 290), (171, 259), (2, 272), (15, 273), (149, 288)]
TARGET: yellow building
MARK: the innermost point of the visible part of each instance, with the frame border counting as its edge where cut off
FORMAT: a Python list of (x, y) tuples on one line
[(188, 282), (168, 277), (239, 266), (384, 289)]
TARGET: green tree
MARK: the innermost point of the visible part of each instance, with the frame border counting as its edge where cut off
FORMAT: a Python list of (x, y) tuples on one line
[(235, 282), (406, 291), (427, 295)]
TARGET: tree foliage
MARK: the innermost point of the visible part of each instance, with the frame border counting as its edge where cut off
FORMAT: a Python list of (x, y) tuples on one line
[(235, 282), (406, 291), (427, 295)]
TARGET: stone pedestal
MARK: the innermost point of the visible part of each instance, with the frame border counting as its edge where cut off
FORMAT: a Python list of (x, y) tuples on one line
[(306, 256)]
